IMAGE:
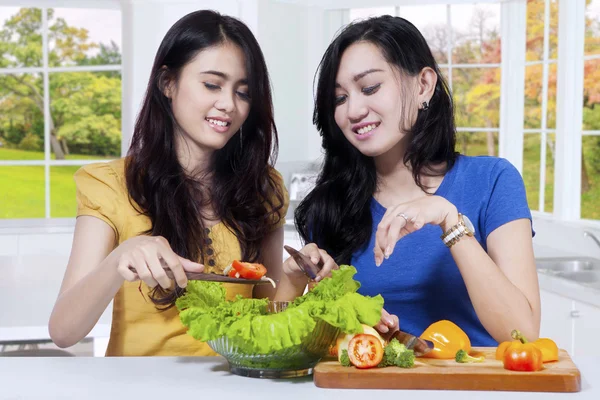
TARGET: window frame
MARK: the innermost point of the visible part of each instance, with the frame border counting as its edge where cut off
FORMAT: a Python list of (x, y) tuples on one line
[(45, 70), (569, 105)]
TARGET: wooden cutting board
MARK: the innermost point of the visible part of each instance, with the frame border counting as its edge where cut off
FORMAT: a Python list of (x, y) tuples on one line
[(432, 374)]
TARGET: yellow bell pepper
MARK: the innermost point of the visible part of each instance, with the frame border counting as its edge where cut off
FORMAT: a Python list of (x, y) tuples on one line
[(547, 346), (447, 339)]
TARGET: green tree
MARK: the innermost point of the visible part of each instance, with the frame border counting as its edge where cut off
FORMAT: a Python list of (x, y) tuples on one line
[(75, 97)]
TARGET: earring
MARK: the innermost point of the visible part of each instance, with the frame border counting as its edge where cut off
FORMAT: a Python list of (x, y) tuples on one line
[(424, 106), (241, 138)]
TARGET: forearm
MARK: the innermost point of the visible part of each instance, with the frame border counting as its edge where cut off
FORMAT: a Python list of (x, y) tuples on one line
[(288, 290), (78, 309), (499, 304)]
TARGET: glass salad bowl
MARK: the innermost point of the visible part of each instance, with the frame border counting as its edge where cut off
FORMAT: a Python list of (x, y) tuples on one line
[(287, 363)]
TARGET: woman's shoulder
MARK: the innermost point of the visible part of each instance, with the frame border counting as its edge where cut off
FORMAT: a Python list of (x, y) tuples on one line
[(111, 174), (483, 165)]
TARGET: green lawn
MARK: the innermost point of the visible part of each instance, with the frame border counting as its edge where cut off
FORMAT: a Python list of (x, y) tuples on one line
[(22, 188)]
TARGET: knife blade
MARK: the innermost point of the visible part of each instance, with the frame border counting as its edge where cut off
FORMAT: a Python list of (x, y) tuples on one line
[(309, 268), (202, 276), (412, 342)]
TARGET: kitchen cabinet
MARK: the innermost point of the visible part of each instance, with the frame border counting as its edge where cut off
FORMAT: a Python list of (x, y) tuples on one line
[(557, 319), (573, 325), (586, 323)]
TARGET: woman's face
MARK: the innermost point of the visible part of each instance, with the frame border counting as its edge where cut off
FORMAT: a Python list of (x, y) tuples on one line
[(369, 100), (210, 99)]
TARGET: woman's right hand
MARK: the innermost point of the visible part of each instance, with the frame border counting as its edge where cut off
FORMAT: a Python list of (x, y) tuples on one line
[(146, 257), (316, 255)]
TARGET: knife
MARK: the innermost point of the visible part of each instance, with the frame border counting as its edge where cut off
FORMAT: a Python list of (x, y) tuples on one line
[(202, 276), (309, 268), (412, 342)]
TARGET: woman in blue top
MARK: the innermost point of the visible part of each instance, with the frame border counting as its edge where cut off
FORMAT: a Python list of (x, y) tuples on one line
[(395, 200)]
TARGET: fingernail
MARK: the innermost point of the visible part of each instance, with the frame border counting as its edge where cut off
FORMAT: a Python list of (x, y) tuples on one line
[(314, 260), (317, 279), (389, 321), (388, 252), (377, 261), (384, 329)]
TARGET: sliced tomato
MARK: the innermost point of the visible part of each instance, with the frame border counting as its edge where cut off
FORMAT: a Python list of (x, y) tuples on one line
[(365, 351), (249, 270), (232, 273)]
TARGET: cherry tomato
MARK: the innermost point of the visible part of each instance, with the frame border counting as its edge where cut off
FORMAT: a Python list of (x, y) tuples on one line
[(365, 351), (248, 270)]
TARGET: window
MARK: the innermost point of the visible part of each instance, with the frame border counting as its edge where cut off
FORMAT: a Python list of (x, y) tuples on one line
[(465, 40), (540, 103), (60, 104), (590, 157)]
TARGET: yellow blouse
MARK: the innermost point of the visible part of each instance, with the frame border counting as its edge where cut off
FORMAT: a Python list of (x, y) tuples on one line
[(138, 328)]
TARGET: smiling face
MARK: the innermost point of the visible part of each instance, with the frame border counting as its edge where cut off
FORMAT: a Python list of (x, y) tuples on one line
[(369, 100), (210, 99)]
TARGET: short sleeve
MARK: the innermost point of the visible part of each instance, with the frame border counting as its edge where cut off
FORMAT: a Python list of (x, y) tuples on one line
[(100, 194), (508, 199), (278, 219)]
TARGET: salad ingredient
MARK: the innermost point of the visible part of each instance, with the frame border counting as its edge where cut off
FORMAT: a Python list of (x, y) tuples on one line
[(447, 338), (464, 357), (365, 351), (208, 316), (396, 354), (343, 339), (248, 270), (522, 355), (547, 346), (344, 359)]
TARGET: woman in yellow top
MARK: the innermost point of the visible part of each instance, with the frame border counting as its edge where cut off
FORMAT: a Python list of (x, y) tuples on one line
[(196, 191)]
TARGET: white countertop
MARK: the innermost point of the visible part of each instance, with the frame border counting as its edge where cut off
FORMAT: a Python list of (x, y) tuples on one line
[(208, 378)]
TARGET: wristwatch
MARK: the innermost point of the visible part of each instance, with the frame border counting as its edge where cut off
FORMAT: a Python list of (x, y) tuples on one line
[(455, 233)]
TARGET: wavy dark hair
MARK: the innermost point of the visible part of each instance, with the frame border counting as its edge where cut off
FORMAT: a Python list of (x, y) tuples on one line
[(243, 193), (336, 214)]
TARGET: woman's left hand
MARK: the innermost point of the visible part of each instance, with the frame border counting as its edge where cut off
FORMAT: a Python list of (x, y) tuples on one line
[(406, 218)]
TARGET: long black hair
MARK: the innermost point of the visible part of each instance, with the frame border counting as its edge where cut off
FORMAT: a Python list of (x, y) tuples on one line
[(336, 214), (243, 191)]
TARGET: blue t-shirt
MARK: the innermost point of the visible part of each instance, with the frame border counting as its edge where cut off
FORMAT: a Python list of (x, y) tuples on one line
[(420, 282)]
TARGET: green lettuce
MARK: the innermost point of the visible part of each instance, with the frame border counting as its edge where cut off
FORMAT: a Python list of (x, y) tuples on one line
[(208, 316)]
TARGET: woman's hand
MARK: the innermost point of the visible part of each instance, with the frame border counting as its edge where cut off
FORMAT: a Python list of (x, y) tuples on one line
[(146, 257), (388, 324), (295, 274), (406, 218)]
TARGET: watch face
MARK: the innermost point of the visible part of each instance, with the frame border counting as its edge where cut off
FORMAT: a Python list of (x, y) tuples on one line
[(468, 223)]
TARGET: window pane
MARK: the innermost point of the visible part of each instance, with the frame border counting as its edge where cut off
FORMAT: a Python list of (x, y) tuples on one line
[(531, 169), (592, 27), (22, 191), (591, 95), (364, 13), (550, 160), (535, 30), (533, 97), (20, 37), (432, 21), (553, 41), (62, 192), (477, 143), (590, 178), (476, 97), (86, 110), (21, 117), (476, 31), (83, 36)]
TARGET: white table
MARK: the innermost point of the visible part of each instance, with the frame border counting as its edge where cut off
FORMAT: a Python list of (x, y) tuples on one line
[(208, 378)]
